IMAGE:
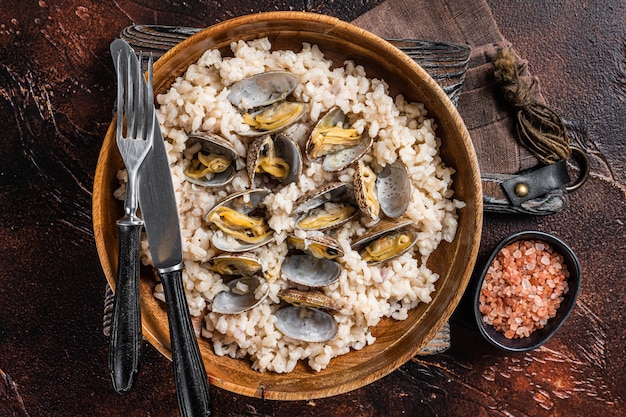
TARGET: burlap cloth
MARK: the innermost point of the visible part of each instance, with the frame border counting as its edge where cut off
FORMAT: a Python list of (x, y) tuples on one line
[(481, 105)]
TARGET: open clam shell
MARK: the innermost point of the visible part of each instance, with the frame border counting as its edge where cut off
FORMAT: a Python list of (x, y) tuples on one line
[(339, 146), (278, 157), (241, 221), (307, 270), (342, 159), (262, 89), (273, 118), (385, 241), (322, 247), (263, 99), (243, 294), (389, 192), (308, 324), (242, 264), (227, 243), (394, 189), (213, 163), (327, 207), (366, 192)]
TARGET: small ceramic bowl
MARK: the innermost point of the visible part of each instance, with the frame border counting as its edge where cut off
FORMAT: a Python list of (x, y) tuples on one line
[(539, 336)]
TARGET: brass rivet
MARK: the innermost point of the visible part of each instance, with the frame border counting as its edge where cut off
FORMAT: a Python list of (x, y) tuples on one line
[(521, 190)]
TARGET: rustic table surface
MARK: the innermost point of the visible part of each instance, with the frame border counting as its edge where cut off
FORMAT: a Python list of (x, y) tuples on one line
[(57, 89)]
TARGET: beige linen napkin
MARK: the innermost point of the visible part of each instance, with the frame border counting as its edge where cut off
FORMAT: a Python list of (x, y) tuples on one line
[(481, 105)]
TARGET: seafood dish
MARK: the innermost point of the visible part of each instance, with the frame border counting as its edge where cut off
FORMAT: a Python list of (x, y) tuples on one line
[(310, 200)]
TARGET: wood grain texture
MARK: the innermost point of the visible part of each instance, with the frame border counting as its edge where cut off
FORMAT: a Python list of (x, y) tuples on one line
[(56, 98)]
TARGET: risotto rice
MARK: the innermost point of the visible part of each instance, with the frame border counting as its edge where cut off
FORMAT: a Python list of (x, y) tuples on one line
[(197, 103)]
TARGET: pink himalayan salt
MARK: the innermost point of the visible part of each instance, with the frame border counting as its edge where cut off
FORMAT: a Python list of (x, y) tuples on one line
[(523, 288)]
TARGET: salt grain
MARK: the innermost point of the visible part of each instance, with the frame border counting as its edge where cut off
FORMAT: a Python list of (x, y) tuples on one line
[(523, 288)]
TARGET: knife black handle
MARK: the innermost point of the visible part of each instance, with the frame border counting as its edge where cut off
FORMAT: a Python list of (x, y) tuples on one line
[(125, 342), (192, 385)]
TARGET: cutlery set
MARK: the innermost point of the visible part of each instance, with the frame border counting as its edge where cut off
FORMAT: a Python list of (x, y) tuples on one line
[(140, 143)]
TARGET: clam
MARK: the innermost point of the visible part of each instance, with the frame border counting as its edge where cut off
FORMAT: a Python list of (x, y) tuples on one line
[(339, 146), (277, 157), (322, 246), (394, 189), (263, 98), (243, 294), (327, 207), (308, 324), (366, 191), (309, 298), (385, 241), (262, 89), (244, 264), (390, 191), (307, 270), (241, 222), (273, 118), (213, 163)]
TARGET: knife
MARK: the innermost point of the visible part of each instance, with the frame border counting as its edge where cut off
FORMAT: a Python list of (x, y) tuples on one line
[(160, 215)]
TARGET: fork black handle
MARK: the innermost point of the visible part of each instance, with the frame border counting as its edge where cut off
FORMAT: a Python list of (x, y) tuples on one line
[(125, 342), (192, 385)]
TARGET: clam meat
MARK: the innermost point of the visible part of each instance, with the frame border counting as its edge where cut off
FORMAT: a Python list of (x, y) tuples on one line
[(249, 229), (243, 264), (339, 146), (242, 222), (321, 247), (366, 191), (273, 118), (330, 206), (327, 216), (278, 157), (213, 161), (387, 246), (243, 294), (385, 241)]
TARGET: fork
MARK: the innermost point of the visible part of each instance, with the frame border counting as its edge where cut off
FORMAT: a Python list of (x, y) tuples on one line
[(134, 141)]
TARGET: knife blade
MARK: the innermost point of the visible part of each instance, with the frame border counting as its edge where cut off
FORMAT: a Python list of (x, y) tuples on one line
[(157, 201)]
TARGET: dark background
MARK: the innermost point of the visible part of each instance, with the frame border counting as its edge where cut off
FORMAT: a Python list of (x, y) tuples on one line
[(56, 97)]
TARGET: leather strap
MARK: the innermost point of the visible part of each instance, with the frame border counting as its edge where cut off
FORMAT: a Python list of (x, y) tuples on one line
[(536, 182)]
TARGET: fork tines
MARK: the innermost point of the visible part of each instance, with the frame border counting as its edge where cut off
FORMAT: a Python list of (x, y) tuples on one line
[(135, 99)]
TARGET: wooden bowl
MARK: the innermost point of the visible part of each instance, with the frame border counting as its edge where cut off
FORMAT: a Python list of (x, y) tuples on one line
[(397, 341)]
